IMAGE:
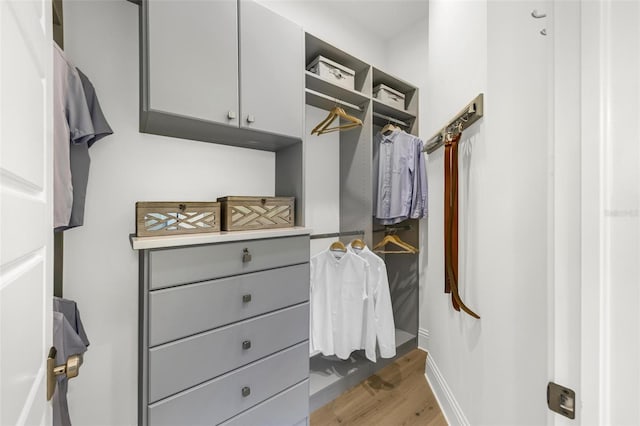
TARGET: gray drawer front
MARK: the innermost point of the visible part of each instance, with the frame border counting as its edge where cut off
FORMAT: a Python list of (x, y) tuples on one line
[(186, 310), (191, 264), (285, 409), (221, 398), (179, 365)]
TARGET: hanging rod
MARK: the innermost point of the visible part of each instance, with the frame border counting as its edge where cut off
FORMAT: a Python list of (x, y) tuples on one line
[(336, 234), (390, 119), (328, 102), (469, 115), (394, 228)]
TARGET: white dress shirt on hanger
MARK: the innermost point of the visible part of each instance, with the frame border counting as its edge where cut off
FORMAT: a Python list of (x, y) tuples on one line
[(342, 318), (379, 291)]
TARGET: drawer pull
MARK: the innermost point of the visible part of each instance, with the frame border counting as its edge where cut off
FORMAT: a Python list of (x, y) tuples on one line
[(246, 298), (246, 256), (246, 344), (246, 391)]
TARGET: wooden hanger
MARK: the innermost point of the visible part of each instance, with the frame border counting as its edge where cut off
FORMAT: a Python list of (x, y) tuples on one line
[(395, 240), (358, 244), (338, 246), (389, 128), (336, 112)]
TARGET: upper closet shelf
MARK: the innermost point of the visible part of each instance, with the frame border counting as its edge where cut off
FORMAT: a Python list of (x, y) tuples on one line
[(320, 85), (381, 77), (388, 110)]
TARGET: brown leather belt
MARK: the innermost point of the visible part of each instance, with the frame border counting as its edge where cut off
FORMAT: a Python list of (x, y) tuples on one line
[(451, 223)]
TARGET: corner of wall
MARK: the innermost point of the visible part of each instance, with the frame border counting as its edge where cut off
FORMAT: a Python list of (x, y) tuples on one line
[(423, 338), (446, 399)]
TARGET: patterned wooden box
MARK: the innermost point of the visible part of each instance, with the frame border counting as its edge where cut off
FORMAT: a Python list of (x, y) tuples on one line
[(246, 213), (173, 218)]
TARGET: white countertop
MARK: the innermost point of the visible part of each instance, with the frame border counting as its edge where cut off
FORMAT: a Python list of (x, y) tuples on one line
[(142, 243)]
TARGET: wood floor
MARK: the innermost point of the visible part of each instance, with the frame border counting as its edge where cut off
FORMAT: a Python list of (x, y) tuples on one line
[(398, 395)]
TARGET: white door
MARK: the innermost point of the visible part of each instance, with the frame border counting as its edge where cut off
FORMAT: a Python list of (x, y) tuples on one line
[(610, 302), (25, 209), (595, 337)]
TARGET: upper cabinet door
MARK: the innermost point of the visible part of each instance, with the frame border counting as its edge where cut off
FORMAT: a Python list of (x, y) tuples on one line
[(193, 58), (271, 71)]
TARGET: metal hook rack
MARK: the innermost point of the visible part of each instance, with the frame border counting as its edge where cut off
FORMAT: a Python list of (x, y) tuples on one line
[(463, 120)]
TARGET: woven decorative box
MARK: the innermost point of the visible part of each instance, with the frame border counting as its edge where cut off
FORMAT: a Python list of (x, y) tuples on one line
[(246, 213), (173, 218)]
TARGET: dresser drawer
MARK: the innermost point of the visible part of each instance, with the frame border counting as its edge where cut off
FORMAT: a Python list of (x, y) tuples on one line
[(179, 365), (186, 310), (288, 408), (222, 398), (192, 264)]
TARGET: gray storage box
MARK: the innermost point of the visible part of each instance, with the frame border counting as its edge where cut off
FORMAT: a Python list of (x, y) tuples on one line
[(333, 72), (389, 96)]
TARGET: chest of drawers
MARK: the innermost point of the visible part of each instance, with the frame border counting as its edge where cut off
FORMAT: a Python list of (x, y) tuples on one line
[(224, 328)]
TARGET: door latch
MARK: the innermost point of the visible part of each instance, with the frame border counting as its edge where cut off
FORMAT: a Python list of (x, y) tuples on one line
[(70, 369), (561, 400)]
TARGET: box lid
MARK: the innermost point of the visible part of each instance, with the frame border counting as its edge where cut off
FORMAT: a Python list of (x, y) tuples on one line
[(321, 58), (388, 89), (190, 204), (255, 199)]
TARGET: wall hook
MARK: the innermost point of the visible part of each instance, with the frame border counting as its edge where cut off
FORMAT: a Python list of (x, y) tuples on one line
[(537, 14), (543, 31)]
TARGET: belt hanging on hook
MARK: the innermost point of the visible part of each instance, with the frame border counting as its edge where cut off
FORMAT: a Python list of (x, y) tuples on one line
[(451, 140)]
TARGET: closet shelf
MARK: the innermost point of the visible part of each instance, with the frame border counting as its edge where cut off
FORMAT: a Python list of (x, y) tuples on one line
[(381, 120), (384, 109), (315, 46), (320, 100), (319, 84), (381, 77), (328, 377)]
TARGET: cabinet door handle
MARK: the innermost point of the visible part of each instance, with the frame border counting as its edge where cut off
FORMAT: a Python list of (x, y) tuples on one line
[(231, 115), (246, 256), (246, 391), (246, 298), (250, 118), (246, 344)]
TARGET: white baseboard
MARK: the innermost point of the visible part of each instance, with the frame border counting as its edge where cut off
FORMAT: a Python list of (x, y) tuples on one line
[(448, 403), (423, 337)]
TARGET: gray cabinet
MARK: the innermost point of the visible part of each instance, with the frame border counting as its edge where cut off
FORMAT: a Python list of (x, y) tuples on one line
[(193, 59), (222, 341), (271, 57), (224, 71)]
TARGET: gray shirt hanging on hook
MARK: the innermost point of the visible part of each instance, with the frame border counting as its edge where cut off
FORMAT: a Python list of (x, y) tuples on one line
[(69, 338)]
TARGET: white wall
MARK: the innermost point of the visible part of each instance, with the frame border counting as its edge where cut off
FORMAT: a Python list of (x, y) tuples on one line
[(406, 55), (493, 370), (101, 269), (323, 20)]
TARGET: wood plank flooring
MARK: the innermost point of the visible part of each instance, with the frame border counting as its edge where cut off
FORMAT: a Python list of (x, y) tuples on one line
[(397, 395)]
